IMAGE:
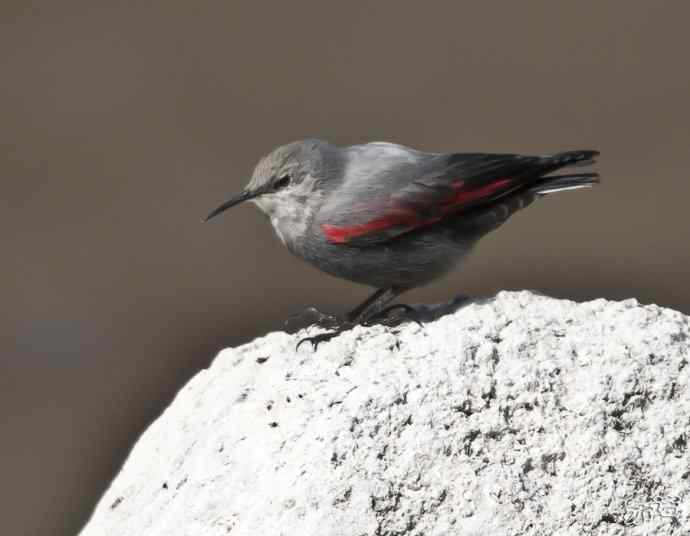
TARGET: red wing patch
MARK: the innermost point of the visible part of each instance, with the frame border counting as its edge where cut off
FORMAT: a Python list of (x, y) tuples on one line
[(342, 235), (397, 220), (468, 196)]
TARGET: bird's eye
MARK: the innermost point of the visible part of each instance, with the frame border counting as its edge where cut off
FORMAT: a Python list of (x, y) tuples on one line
[(282, 182)]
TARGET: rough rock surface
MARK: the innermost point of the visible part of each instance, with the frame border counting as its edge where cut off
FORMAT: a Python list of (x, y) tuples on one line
[(517, 415)]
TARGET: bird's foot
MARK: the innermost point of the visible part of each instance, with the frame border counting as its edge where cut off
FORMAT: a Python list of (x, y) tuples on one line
[(391, 316), (401, 313), (309, 317)]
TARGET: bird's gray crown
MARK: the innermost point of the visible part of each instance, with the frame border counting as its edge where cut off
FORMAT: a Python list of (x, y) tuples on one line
[(292, 161)]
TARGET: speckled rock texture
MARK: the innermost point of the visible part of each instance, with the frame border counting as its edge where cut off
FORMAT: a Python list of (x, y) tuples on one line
[(516, 415)]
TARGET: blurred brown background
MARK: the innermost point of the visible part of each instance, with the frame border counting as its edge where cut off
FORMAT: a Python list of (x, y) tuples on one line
[(122, 126)]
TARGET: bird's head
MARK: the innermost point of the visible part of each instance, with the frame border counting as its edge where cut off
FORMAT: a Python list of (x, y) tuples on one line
[(286, 185)]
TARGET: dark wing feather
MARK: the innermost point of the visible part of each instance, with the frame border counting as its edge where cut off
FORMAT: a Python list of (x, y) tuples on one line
[(380, 202)]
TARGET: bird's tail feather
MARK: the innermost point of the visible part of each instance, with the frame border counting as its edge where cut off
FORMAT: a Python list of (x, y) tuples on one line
[(561, 183), (572, 158)]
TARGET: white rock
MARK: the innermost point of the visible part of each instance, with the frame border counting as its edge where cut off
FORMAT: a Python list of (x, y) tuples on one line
[(516, 415)]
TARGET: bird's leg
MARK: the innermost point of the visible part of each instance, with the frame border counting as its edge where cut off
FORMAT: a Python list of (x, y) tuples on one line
[(368, 310), (372, 305)]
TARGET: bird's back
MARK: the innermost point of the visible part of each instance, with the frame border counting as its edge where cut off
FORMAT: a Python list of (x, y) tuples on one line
[(397, 216)]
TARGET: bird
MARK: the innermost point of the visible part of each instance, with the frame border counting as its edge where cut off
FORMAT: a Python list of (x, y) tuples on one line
[(392, 217)]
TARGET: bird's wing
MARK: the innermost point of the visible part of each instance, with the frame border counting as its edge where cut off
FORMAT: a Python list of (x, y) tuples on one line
[(389, 190)]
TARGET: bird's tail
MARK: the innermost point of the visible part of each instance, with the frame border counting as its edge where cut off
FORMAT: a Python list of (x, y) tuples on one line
[(560, 183)]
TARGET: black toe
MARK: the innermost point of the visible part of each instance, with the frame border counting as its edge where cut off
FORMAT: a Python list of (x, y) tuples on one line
[(318, 339)]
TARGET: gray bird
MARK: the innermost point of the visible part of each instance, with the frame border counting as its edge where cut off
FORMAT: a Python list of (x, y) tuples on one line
[(392, 217)]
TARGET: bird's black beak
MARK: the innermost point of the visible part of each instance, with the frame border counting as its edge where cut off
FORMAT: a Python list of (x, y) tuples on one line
[(244, 196)]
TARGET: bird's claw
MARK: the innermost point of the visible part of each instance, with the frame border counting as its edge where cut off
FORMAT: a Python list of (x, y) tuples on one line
[(315, 340)]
